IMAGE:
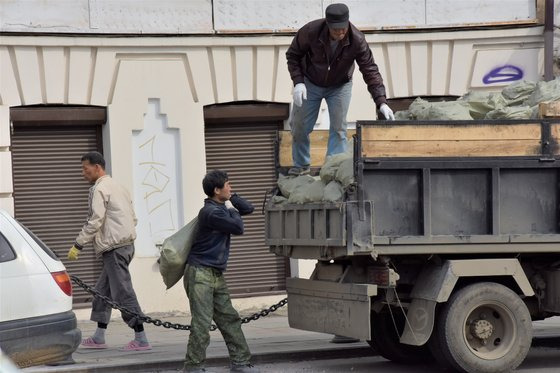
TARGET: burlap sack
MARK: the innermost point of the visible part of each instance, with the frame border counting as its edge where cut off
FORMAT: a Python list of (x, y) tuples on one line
[(288, 184), (312, 192), (175, 251), (333, 192), (328, 171)]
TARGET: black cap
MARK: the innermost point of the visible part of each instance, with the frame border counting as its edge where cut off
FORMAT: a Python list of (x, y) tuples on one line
[(337, 16)]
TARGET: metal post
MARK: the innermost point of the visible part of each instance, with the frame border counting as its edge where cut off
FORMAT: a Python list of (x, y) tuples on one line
[(548, 40)]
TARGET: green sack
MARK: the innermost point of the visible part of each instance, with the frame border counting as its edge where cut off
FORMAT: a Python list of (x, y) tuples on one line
[(175, 251), (312, 192), (328, 171)]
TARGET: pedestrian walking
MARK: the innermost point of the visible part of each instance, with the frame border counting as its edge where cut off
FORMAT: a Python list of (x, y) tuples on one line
[(110, 226), (206, 288), (321, 63)]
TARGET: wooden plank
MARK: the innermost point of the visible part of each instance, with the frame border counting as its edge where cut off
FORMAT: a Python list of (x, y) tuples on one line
[(549, 109), (318, 150), (452, 132), (555, 132), (439, 148)]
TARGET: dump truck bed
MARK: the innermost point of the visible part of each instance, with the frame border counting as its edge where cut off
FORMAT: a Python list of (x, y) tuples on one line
[(437, 187)]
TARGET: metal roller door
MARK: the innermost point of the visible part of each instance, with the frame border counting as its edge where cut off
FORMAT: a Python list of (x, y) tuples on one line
[(246, 153), (50, 193)]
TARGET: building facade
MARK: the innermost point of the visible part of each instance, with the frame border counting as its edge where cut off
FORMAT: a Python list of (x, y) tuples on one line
[(168, 89)]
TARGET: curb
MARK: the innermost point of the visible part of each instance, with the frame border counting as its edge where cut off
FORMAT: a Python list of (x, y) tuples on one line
[(546, 341), (177, 364), (339, 352)]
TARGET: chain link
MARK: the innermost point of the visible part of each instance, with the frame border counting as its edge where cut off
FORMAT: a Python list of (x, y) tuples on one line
[(167, 324)]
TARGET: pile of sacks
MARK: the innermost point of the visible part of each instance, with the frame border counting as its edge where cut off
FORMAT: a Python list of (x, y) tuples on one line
[(518, 100), (336, 175)]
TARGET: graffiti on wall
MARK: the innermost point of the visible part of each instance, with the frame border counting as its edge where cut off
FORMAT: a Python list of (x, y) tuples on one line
[(156, 180), (503, 74)]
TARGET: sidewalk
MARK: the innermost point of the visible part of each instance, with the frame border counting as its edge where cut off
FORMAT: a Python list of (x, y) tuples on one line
[(270, 339)]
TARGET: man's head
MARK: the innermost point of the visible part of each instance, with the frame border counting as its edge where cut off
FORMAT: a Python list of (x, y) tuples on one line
[(337, 16), (216, 185), (93, 166)]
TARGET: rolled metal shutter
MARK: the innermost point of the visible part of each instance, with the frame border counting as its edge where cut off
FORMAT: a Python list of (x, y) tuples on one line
[(50, 194), (246, 153)]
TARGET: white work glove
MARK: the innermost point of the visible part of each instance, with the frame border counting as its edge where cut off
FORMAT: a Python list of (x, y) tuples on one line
[(229, 205), (387, 112), (300, 94)]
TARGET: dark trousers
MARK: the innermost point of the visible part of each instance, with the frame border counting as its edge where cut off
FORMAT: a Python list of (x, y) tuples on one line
[(115, 283)]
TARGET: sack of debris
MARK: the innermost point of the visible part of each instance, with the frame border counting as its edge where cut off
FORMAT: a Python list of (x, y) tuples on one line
[(175, 252)]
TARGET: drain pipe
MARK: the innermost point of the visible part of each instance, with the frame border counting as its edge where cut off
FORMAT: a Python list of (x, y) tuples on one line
[(548, 40)]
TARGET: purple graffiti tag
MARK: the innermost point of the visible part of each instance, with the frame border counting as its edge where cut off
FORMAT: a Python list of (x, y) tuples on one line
[(506, 73)]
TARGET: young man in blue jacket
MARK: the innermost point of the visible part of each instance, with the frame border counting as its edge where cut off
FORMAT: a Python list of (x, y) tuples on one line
[(206, 287)]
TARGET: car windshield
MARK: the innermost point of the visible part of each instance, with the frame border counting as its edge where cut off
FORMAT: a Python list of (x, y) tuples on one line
[(40, 243)]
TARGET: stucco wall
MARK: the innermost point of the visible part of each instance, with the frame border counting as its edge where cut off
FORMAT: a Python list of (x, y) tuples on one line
[(246, 16)]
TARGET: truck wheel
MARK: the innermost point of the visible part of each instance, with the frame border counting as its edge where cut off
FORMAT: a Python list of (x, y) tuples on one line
[(385, 339), (483, 328)]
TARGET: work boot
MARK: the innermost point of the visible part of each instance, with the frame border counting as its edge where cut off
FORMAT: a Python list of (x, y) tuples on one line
[(244, 368), (298, 171)]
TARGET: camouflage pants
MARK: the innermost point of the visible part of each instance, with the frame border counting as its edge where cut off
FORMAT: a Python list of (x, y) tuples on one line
[(209, 299)]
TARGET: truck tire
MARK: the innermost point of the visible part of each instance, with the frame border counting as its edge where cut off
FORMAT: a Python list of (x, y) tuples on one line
[(385, 340), (483, 328)]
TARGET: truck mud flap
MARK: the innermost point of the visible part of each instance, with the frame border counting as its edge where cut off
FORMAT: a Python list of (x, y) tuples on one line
[(330, 307)]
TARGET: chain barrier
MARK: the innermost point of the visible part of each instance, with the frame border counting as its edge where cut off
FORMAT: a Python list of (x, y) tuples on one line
[(167, 324)]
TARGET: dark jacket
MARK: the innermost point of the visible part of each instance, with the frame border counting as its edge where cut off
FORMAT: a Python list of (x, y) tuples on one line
[(215, 225), (308, 56)]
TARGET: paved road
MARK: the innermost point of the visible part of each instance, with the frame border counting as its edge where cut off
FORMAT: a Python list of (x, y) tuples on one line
[(540, 360)]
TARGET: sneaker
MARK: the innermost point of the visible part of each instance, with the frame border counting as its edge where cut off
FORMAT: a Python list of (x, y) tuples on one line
[(90, 343), (244, 368), (134, 345), (298, 171)]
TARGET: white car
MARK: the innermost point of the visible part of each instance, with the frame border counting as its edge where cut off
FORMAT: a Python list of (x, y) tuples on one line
[(37, 324)]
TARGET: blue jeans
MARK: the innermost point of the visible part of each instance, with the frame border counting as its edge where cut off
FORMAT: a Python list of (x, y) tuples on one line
[(305, 117)]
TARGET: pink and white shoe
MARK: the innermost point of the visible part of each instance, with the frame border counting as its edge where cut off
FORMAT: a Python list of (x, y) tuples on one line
[(90, 343), (134, 345)]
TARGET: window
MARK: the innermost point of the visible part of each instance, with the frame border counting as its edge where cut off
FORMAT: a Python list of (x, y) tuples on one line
[(40, 243), (6, 251)]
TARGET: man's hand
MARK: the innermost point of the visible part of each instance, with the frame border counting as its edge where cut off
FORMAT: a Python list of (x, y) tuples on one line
[(300, 94), (387, 112), (73, 253), (229, 205)]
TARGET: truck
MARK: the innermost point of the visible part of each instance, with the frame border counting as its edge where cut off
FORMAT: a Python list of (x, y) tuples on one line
[(446, 246)]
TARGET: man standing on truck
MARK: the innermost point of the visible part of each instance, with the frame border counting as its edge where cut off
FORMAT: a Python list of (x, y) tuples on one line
[(219, 218), (321, 63), (111, 227)]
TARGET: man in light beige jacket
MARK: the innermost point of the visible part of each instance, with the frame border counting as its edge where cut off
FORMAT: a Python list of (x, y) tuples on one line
[(110, 226)]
